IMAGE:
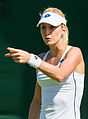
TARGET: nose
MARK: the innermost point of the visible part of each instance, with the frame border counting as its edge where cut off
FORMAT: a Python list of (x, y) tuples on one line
[(47, 31)]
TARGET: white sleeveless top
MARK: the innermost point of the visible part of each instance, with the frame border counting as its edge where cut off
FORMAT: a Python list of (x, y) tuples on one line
[(61, 100)]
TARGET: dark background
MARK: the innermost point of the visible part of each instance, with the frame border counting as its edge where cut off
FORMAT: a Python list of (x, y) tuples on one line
[(18, 19)]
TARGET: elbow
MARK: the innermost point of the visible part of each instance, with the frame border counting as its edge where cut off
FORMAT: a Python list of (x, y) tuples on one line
[(60, 78)]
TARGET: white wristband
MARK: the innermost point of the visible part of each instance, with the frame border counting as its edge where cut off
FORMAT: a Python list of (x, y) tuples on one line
[(34, 61)]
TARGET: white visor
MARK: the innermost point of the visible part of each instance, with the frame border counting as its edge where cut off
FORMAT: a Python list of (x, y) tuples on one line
[(51, 18)]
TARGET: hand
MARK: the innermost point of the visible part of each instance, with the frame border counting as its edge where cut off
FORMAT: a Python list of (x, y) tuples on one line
[(19, 56)]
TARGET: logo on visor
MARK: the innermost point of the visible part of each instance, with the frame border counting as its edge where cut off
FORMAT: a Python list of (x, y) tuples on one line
[(47, 15)]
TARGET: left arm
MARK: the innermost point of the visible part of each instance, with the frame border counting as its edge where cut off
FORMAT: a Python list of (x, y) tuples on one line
[(73, 58)]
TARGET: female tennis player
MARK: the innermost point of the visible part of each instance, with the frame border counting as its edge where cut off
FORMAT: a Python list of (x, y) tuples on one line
[(60, 71)]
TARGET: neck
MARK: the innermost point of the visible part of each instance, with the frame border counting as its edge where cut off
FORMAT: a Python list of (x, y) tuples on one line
[(58, 49)]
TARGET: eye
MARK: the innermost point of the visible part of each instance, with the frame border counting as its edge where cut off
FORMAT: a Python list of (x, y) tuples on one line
[(43, 27), (52, 27)]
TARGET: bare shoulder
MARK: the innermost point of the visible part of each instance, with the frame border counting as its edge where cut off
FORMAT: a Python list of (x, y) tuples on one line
[(41, 55), (76, 55), (75, 51)]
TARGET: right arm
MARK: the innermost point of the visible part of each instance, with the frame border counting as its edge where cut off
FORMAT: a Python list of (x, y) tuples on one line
[(34, 112)]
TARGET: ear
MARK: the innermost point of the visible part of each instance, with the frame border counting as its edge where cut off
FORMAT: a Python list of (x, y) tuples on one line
[(64, 28), (63, 31)]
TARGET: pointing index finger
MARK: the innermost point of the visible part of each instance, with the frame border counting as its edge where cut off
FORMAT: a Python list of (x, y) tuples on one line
[(12, 50)]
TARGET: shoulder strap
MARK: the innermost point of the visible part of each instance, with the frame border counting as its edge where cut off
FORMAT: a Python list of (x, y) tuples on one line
[(44, 58), (64, 55)]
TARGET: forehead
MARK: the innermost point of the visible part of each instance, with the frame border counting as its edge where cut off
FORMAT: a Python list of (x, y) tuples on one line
[(48, 25), (45, 24)]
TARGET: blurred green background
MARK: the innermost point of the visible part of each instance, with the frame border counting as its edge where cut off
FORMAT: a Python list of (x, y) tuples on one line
[(18, 19)]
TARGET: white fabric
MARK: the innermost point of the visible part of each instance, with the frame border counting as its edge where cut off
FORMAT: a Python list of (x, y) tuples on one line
[(61, 100), (34, 61), (51, 18)]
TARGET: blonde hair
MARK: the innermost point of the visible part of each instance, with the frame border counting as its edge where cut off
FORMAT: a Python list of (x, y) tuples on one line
[(58, 11)]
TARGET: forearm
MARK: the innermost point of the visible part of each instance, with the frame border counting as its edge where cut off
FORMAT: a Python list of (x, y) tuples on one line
[(34, 112), (51, 71)]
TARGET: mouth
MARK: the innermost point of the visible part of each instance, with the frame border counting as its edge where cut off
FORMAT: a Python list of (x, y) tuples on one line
[(47, 39)]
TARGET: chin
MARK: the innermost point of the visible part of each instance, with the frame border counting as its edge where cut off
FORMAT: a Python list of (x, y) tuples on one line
[(50, 44)]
